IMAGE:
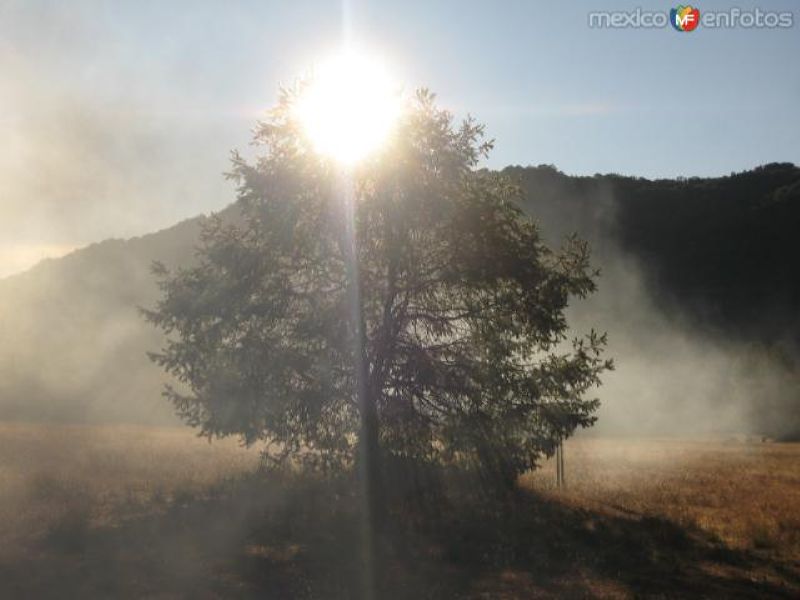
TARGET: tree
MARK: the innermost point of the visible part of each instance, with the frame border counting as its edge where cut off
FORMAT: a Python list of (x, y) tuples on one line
[(464, 341)]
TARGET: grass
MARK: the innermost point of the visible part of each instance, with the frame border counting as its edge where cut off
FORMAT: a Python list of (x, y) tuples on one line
[(128, 512), (745, 493), (108, 473)]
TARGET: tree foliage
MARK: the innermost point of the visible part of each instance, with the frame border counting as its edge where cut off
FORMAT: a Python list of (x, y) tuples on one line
[(466, 344)]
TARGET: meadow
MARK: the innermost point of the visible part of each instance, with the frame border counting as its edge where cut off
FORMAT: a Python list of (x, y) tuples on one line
[(131, 512)]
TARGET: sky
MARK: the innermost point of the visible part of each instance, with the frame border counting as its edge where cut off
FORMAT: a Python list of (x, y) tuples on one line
[(118, 118)]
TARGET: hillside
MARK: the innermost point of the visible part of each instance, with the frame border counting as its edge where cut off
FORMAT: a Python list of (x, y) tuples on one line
[(699, 295), (722, 250), (73, 344)]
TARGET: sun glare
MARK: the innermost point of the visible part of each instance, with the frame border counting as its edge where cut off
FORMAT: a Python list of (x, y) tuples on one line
[(349, 107)]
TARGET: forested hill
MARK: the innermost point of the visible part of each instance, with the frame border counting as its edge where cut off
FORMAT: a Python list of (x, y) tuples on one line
[(723, 250)]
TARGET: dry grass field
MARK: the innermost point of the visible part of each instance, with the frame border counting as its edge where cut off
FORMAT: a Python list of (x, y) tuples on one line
[(742, 491), (118, 511), (51, 475)]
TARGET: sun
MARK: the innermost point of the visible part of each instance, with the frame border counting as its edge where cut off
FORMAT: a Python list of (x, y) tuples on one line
[(349, 107)]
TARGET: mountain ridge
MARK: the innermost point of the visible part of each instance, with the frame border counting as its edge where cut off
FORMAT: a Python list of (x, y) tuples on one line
[(713, 254)]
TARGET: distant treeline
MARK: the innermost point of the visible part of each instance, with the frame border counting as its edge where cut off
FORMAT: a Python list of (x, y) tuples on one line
[(723, 251)]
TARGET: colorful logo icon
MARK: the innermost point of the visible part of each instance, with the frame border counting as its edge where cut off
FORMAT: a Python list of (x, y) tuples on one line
[(684, 18)]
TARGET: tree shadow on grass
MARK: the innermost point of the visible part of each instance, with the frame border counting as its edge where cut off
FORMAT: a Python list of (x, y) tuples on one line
[(529, 546), (262, 538)]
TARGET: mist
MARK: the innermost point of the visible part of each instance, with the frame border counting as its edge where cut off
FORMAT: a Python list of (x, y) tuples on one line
[(97, 142), (100, 142), (673, 377), (679, 372), (79, 344)]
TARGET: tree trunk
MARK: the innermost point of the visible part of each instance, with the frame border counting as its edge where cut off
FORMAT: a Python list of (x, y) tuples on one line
[(369, 472), (370, 478)]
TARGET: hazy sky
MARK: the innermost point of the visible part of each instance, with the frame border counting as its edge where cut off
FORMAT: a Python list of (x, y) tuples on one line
[(116, 118)]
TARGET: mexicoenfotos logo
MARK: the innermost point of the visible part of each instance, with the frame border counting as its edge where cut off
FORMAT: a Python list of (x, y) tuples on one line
[(684, 18), (688, 18)]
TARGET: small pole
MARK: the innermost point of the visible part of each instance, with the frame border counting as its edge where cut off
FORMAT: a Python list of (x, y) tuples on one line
[(560, 480), (558, 464)]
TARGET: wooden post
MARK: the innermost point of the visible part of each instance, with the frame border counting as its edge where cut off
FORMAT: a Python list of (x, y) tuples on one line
[(558, 465)]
